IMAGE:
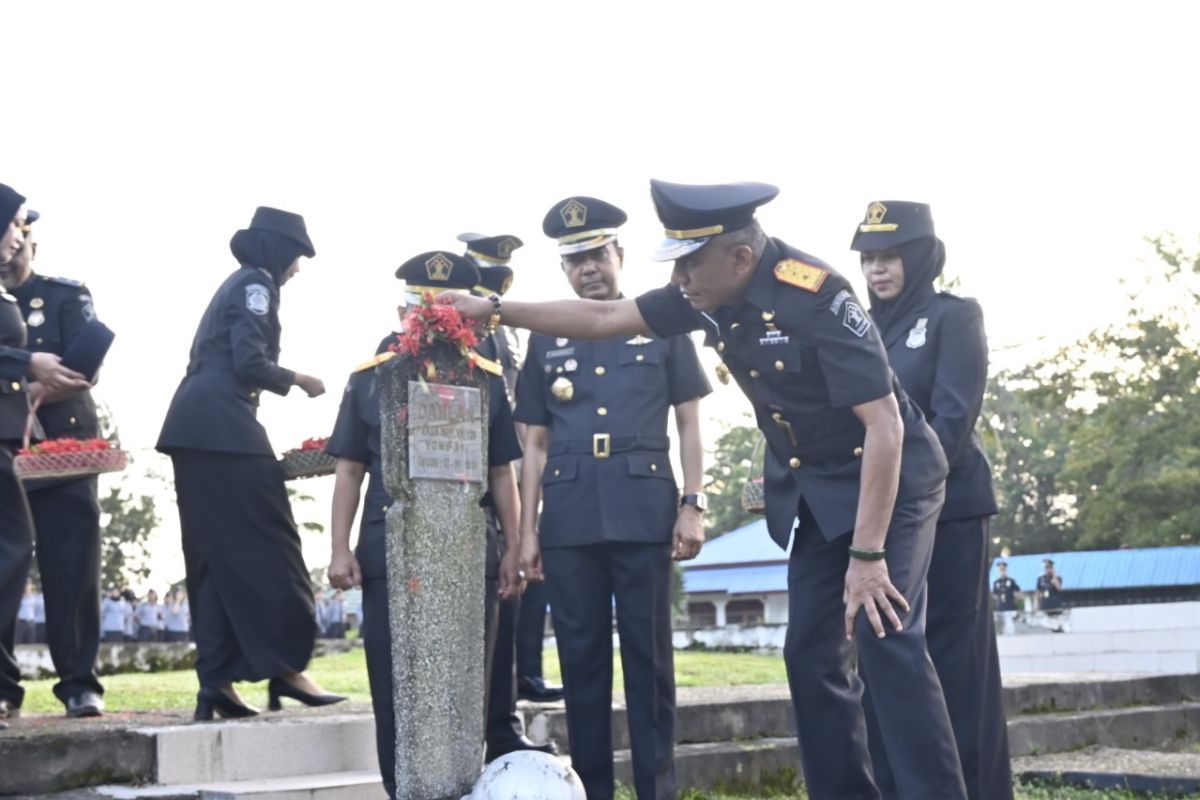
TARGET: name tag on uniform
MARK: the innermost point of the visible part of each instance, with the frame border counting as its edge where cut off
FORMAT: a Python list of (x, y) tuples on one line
[(565, 351), (916, 337)]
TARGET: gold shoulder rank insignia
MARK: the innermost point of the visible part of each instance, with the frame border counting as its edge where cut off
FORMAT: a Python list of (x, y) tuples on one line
[(382, 358), (796, 273), (486, 364)]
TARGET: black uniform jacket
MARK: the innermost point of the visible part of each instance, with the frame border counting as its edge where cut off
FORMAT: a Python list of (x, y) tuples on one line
[(804, 351), (55, 311), (234, 357), (940, 356), (14, 363), (356, 436), (608, 476)]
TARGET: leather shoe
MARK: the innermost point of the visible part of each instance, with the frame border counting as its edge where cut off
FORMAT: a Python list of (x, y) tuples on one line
[(497, 749), (9, 709), (536, 690), (85, 704)]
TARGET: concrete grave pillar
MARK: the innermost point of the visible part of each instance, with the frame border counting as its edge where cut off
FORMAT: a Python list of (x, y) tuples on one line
[(434, 464)]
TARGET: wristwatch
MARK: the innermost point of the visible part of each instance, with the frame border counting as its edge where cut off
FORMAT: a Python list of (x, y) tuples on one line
[(697, 499)]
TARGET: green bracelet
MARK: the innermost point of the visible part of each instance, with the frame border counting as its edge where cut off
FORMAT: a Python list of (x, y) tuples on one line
[(867, 555)]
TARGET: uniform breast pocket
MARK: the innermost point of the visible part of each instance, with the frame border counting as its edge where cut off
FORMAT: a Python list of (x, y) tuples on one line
[(642, 366)]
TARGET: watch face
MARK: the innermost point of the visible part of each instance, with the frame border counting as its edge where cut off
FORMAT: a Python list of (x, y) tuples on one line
[(699, 500)]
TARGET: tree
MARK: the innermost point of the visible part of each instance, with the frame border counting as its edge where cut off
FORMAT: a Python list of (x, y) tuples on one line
[(729, 470), (126, 523)]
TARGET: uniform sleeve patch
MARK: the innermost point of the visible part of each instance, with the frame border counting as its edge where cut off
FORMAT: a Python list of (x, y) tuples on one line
[(258, 299), (855, 319), (804, 276)]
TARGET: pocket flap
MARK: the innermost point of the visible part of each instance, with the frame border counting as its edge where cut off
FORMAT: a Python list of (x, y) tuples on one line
[(650, 465), (559, 470)]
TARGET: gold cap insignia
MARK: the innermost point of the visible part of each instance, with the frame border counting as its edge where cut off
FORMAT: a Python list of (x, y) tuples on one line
[(505, 248), (876, 212), (574, 214), (438, 267)]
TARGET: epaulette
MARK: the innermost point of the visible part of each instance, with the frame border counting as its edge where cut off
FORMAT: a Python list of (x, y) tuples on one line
[(382, 358), (795, 272), (64, 281), (487, 365)]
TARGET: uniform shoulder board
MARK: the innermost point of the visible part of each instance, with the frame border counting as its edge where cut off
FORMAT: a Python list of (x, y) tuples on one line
[(65, 281), (382, 358), (795, 272), (7, 297), (486, 364)]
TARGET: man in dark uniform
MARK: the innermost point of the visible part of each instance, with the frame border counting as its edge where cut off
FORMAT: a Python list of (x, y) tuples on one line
[(597, 457), (505, 729), (66, 513), (849, 456), (17, 365), (356, 443), (1005, 589), (1049, 586)]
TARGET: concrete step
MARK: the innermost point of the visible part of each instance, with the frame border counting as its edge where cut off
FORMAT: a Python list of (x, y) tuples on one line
[(738, 767), (1145, 727), (349, 785), (1160, 773)]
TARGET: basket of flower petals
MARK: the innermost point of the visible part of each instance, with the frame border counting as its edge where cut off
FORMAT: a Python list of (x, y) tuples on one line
[(68, 458), (309, 460)]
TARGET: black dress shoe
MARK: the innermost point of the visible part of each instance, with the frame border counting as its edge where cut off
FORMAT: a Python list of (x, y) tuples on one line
[(9, 709), (536, 690), (497, 749), (210, 699), (85, 704), (278, 687)]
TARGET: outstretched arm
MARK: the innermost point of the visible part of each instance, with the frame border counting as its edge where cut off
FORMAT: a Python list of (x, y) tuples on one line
[(581, 319)]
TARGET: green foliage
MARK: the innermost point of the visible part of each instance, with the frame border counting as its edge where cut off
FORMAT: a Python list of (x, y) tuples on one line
[(126, 523), (729, 468), (1098, 446)]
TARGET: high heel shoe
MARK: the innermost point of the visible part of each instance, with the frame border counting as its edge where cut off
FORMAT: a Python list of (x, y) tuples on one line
[(278, 687), (210, 699)]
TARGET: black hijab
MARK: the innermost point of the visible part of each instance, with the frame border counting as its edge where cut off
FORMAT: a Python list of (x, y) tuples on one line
[(923, 262), (255, 247), (10, 203)]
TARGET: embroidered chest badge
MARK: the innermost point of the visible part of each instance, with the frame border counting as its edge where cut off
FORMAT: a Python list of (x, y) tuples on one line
[(916, 337)]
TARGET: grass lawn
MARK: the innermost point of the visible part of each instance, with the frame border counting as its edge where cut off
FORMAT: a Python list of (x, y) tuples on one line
[(346, 673)]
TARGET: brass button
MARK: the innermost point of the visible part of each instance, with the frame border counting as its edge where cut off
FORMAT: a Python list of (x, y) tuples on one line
[(754, 373), (720, 347), (639, 357), (779, 365), (557, 472), (857, 452), (654, 467), (71, 421), (559, 370), (768, 316), (254, 394), (16, 386), (794, 462), (600, 370), (385, 508), (602, 411), (39, 340)]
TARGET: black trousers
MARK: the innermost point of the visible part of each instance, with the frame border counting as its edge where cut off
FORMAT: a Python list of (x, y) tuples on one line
[(66, 516), (377, 643), (531, 630), (583, 582), (961, 634), (16, 555), (248, 587), (905, 698)]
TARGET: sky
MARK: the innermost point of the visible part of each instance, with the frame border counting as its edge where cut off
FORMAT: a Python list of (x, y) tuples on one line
[(1049, 138)]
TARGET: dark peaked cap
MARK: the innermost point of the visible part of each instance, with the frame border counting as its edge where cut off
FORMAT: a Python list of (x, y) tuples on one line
[(494, 280), (286, 224), (582, 223), (891, 223), (691, 214), (438, 271), (491, 249)]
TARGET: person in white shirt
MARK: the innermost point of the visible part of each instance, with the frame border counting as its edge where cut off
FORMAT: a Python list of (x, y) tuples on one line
[(114, 610), (149, 619), (27, 615), (176, 617)]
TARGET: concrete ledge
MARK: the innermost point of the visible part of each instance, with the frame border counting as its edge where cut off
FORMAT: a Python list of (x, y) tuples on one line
[(731, 766), (357, 785), (56, 762), (1134, 728), (1080, 696)]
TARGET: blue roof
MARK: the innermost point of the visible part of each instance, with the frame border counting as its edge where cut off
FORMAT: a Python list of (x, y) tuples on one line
[(745, 545), (1110, 569), (738, 580)]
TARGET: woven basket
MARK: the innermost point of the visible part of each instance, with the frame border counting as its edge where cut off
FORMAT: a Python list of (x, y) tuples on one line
[(307, 464), (69, 465), (64, 465), (753, 499)]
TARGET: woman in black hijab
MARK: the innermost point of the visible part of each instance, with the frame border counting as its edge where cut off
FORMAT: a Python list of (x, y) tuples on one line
[(937, 346), (17, 365), (251, 603)]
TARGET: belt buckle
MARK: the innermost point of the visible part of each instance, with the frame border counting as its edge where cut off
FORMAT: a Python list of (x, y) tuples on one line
[(601, 445)]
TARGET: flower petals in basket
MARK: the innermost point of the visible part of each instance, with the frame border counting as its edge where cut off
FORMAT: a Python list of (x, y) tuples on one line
[(68, 458), (309, 460)]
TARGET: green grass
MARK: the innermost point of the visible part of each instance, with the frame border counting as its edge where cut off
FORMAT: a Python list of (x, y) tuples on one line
[(346, 673)]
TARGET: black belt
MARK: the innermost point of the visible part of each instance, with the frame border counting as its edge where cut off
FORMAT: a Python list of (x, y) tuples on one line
[(602, 445)]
